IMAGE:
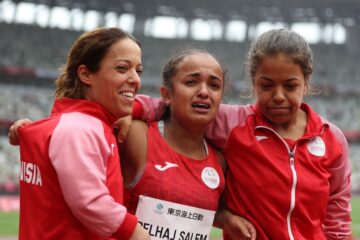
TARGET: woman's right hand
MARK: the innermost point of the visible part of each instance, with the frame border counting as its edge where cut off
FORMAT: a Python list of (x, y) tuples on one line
[(123, 127), (13, 131), (235, 227), (140, 233)]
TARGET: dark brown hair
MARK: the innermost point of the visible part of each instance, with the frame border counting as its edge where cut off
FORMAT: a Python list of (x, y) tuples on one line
[(171, 66), (89, 49), (281, 41)]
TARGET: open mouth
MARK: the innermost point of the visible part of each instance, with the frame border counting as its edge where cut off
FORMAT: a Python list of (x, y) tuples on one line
[(127, 94), (201, 105)]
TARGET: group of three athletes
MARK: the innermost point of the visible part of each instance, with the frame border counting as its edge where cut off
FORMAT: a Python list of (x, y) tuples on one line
[(284, 169)]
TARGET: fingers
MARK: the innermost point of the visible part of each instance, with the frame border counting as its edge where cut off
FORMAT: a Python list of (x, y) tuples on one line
[(13, 134), (123, 126), (248, 230), (252, 232), (239, 226), (122, 133), (245, 232)]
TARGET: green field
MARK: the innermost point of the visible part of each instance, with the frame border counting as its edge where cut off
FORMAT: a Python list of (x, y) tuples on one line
[(355, 214), (9, 221)]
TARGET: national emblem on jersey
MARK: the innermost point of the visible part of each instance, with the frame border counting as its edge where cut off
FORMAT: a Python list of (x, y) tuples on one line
[(316, 147), (210, 177)]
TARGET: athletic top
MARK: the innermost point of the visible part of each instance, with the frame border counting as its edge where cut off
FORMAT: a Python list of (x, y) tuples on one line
[(173, 177), (71, 182), (287, 189)]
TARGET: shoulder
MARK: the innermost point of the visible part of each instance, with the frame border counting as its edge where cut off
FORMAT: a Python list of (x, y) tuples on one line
[(319, 123), (335, 130), (79, 121), (80, 127)]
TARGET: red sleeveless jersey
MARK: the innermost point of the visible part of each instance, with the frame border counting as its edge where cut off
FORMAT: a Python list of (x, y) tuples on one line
[(173, 177)]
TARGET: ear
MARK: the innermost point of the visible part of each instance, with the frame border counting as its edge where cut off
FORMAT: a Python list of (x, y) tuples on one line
[(84, 74), (165, 94), (306, 87)]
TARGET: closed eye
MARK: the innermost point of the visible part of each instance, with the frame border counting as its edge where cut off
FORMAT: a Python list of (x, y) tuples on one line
[(266, 86), (140, 71), (291, 87), (215, 85), (122, 68), (190, 82)]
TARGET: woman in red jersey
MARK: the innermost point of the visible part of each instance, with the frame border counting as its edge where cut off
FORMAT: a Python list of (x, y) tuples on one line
[(170, 162), (70, 182)]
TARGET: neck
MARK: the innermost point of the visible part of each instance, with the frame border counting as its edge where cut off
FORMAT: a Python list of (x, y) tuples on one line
[(294, 129), (188, 142)]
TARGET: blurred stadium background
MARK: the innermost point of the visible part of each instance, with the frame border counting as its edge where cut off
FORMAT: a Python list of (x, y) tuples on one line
[(36, 35)]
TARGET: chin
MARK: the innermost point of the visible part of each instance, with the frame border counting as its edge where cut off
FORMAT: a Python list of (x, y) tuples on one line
[(203, 121)]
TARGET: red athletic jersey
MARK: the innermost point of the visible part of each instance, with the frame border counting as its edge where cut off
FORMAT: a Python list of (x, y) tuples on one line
[(173, 177), (70, 181), (287, 189)]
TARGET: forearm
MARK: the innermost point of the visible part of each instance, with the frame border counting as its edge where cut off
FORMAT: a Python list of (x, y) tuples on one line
[(147, 108)]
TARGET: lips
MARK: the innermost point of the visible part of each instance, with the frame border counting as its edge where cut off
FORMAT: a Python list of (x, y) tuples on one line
[(279, 110), (201, 105), (127, 94)]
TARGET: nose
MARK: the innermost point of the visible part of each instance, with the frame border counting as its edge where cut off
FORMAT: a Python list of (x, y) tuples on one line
[(203, 90), (279, 95), (134, 78)]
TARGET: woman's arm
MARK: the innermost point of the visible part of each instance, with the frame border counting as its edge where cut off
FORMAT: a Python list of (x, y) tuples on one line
[(147, 108), (79, 153), (337, 223), (133, 152)]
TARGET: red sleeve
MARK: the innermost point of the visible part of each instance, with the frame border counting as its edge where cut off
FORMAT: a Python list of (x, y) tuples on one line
[(137, 110), (152, 109), (337, 224), (127, 228)]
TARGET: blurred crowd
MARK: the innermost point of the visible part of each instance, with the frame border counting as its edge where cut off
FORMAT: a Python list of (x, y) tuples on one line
[(20, 101), (23, 46)]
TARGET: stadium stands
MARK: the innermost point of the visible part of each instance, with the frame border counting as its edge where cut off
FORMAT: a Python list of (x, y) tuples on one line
[(24, 46), (31, 55)]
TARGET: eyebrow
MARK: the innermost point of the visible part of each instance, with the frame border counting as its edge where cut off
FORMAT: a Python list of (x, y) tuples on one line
[(197, 74), (288, 80), (127, 61)]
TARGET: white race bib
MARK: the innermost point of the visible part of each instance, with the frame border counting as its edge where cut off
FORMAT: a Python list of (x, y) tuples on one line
[(172, 221)]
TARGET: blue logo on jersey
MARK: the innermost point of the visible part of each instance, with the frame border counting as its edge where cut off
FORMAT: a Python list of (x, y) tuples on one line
[(159, 207)]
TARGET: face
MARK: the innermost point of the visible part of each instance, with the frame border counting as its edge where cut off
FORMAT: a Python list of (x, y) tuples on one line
[(197, 90), (279, 88), (118, 79)]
